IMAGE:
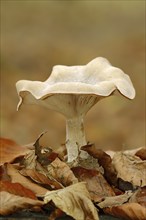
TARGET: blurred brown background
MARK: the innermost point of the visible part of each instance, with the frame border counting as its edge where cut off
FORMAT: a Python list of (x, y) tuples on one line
[(37, 34)]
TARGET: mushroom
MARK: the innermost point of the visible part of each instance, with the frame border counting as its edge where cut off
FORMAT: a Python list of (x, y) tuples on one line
[(72, 91)]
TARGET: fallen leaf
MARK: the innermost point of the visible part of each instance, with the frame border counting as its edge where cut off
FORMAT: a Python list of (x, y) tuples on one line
[(16, 189), (11, 203), (125, 185), (125, 206), (44, 155), (105, 161), (16, 177), (74, 200), (96, 183), (141, 153), (133, 211), (88, 163), (30, 163), (10, 150), (32, 166), (30, 160), (61, 151), (132, 152), (41, 178), (61, 172), (139, 196), (115, 200), (57, 213), (130, 168), (3, 173)]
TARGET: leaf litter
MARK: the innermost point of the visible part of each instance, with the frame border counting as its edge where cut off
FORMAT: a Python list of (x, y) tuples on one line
[(37, 178)]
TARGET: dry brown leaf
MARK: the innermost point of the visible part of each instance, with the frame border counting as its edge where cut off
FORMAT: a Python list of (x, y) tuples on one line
[(132, 211), (96, 183), (41, 178), (132, 152), (61, 172), (61, 151), (74, 200), (44, 155), (105, 161), (57, 213), (130, 168), (125, 185), (139, 196), (125, 206), (30, 163), (30, 160), (115, 200), (16, 177), (16, 189), (10, 150), (3, 173), (141, 153), (11, 203)]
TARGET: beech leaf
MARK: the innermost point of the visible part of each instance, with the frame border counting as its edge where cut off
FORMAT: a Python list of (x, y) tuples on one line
[(30, 160), (41, 178), (74, 200), (104, 160), (128, 206), (141, 153), (3, 173), (115, 200), (139, 196), (130, 168), (61, 172), (10, 150), (96, 183), (133, 211), (11, 203), (16, 177), (44, 156), (16, 189)]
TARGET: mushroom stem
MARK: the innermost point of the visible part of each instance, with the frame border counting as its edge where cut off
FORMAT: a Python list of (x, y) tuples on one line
[(75, 138)]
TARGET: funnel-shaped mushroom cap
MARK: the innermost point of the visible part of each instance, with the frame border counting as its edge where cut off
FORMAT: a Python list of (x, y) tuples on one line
[(75, 89)]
